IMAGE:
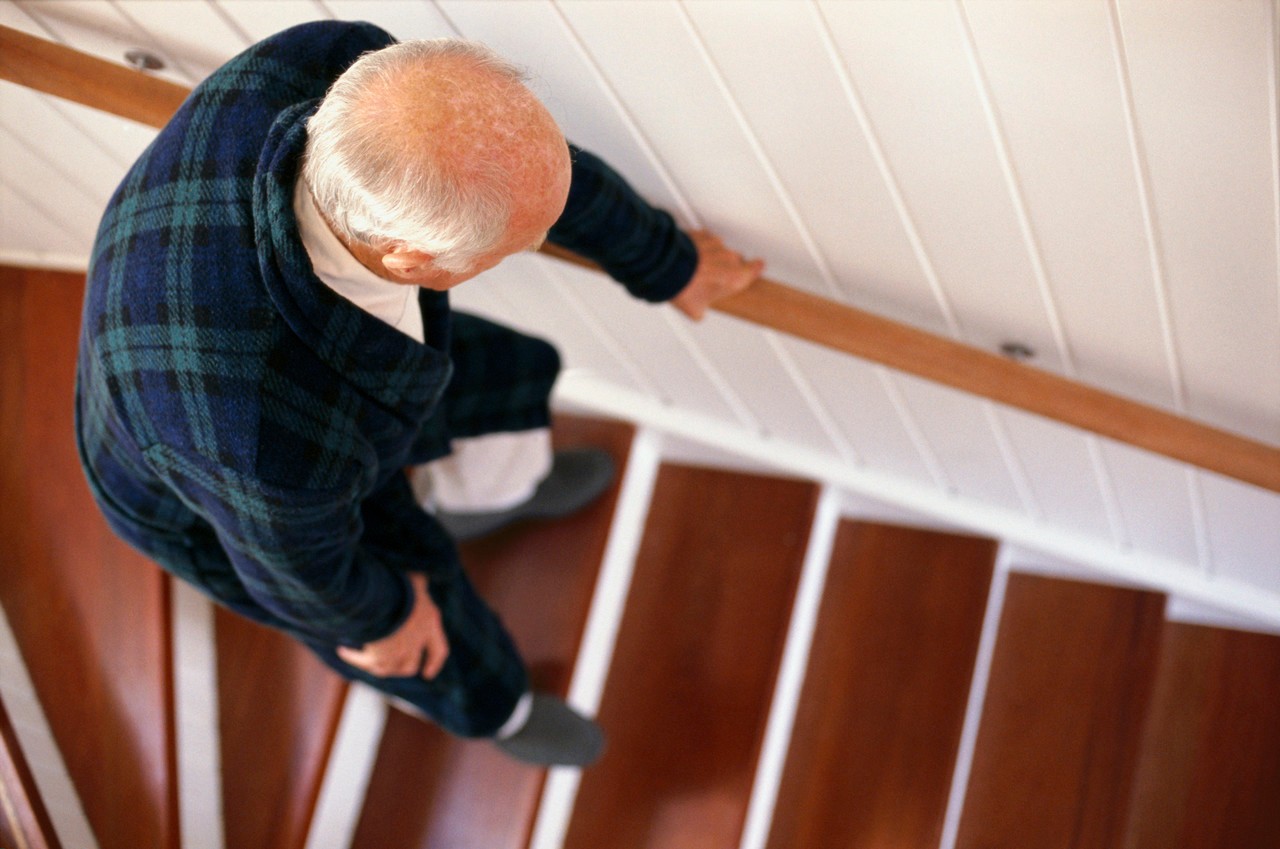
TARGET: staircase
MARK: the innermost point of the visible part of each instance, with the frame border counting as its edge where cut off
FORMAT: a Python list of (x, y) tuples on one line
[(770, 671)]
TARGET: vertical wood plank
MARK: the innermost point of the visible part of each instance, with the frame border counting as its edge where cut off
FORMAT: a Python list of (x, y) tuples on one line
[(278, 712), (1057, 749), (90, 614), (1210, 770), (431, 790), (884, 699), (1200, 75), (686, 703)]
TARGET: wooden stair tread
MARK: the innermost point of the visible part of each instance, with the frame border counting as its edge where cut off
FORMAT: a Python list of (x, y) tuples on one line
[(429, 789), (1071, 680), (880, 716), (1209, 774), (68, 583), (687, 698), (278, 712), (24, 821)]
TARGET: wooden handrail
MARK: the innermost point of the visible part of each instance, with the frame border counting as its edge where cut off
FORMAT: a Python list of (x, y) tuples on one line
[(66, 72), (63, 72)]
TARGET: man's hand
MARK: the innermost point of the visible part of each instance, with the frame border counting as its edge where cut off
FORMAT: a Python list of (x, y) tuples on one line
[(418, 647), (721, 272)]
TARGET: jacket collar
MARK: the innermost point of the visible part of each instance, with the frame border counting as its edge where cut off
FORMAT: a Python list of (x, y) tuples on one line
[(383, 363)]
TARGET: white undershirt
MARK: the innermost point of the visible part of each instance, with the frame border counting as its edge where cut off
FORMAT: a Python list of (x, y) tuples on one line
[(492, 472)]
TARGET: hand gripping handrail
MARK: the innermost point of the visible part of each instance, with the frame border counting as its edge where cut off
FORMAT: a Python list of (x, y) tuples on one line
[(68, 73)]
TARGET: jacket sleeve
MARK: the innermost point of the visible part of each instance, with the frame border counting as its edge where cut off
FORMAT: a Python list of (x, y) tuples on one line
[(606, 221), (327, 564)]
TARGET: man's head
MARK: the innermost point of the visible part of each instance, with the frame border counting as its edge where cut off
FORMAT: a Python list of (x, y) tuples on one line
[(432, 162)]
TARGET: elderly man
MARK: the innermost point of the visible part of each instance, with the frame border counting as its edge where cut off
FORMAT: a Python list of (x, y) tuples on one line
[(267, 345)]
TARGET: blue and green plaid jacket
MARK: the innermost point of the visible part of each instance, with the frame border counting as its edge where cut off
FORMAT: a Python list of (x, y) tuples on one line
[(245, 426)]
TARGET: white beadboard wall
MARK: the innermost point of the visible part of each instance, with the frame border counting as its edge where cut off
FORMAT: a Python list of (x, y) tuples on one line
[(1097, 179)]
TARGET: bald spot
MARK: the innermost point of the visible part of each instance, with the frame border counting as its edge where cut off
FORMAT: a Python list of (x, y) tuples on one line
[(473, 124)]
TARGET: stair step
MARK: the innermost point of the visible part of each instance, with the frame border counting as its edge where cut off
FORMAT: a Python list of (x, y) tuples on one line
[(278, 711), (24, 821), (686, 701), (1209, 774), (1071, 680), (68, 584), (430, 790), (883, 704)]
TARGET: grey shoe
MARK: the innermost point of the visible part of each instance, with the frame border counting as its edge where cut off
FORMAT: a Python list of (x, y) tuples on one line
[(578, 477), (554, 735)]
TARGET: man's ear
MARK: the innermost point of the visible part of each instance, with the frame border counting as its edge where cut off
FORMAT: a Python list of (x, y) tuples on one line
[(409, 265)]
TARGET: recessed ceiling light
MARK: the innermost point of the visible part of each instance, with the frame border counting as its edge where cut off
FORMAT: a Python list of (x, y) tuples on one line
[(143, 60), (1018, 351)]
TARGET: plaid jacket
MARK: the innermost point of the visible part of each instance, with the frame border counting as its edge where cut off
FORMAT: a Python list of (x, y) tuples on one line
[(244, 425)]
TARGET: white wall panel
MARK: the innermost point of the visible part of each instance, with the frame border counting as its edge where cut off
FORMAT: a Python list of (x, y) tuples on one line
[(405, 19), (259, 20), (40, 123), (39, 229), (1062, 473), (960, 431), (121, 139), (1201, 84), (774, 58), (1054, 79), (1244, 530), (651, 340), (60, 199), (648, 56), (11, 15), (753, 365), (909, 62), (853, 392), (1155, 503)]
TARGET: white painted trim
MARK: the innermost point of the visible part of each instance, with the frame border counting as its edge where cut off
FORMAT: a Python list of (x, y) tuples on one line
[(350, 767), (791, 675), (607, 604), (43, 260), (48, 769), (1145, 569), (977, 700), (199, 742), (1188, 612)]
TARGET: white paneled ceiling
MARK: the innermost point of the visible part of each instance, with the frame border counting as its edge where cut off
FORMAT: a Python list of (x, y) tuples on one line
[(1095, 179)]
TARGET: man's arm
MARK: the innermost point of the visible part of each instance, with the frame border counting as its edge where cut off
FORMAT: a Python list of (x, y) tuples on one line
[(305, 556), (642, 247)]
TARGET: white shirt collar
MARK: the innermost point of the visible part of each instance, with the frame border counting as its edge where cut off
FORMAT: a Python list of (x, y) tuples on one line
[(394, 303)]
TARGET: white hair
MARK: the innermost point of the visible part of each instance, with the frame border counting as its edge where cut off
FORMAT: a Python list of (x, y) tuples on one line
[(376, 190)]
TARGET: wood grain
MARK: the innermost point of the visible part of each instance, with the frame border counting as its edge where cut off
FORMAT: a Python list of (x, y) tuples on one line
[(687, 698), (883, 704), (430, 790), (66, 72), (278, 713), (1070, 683), (91, 615), (1209, 776), (24, 821)]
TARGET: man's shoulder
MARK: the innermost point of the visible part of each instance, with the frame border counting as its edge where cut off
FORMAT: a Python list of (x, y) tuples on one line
[(297, 63)]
